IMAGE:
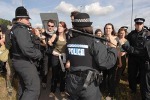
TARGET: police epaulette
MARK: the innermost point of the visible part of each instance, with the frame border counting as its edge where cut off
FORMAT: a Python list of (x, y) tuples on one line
[(145, 33), (18, 26), (22, 26)]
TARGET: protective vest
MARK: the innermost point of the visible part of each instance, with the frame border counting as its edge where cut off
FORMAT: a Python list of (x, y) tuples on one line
[(15, 50), (79, 51)]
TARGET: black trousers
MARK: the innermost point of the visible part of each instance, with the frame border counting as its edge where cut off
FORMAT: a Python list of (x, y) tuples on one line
[(2, 67), (146, 86), (120, 70), (108, 83), (74, 86), (46, 62), (29, 83), (137, 68), (57, 75), (133, 72)]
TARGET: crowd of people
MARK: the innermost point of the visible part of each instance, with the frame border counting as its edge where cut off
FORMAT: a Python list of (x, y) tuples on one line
[(83, 62)]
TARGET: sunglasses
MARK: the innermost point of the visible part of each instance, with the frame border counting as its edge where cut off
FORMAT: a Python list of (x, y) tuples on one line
[(50, 26), (0, 30)]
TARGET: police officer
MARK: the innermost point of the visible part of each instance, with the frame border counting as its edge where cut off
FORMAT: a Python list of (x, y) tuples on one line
[(84, 53), (23, 54), (138, 59)]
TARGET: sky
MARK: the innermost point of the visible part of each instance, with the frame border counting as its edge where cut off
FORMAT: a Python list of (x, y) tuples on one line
[(117, 12)]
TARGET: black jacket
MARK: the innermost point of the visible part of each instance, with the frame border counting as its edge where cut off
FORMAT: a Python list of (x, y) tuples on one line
[(138, 43), (87, 51), (22, 42)]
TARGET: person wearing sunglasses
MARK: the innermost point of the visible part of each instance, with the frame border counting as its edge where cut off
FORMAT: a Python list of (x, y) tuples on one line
[(138, 50), (47, 51)]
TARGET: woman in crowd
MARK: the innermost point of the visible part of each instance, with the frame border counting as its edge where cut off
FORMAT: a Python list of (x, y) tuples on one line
[(58, 40), (98, 32), (109, 75), (121, 35), (5, 65)]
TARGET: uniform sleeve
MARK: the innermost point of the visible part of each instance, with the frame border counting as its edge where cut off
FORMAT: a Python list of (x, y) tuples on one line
[(126, 46), (129, 36), (67, 52), (104, 56), (147, 44), (133, 49), (26, 45)]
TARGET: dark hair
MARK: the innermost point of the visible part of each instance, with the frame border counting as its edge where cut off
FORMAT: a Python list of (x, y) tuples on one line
[(14, 20), (113, 32), (64, 26), (122, 29), (3, 28), (51, 21), (74, 13), (98, 30)]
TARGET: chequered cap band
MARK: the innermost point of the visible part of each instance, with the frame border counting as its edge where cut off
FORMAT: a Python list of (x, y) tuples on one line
[(81, 20), (22, 16)]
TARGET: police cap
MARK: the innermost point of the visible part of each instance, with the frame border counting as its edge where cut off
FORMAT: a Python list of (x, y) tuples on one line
[(139, 20), (82, 20), (21, 12)]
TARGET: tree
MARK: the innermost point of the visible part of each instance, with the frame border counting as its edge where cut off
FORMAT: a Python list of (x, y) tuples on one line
[(6, 22)]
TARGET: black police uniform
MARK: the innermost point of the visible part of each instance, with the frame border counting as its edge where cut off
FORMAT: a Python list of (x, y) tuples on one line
[(23, 54), (137, 60), (84, 54)]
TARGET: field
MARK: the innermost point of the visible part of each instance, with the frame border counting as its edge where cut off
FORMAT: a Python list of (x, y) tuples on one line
[(4, 95), (122, 91)]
